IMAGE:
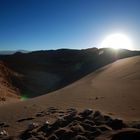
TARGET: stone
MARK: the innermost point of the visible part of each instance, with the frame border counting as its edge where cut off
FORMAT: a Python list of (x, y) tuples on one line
[(86, 112), (77, 128), (92, 123), (104, 128), (116, 124), (80, 137), (53, 137), (88, 127), (32, 126)]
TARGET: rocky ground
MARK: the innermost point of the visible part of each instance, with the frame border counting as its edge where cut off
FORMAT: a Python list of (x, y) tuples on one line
[(72, 125)]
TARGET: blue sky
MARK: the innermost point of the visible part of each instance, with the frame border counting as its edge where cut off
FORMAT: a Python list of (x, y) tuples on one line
[(53, 24)]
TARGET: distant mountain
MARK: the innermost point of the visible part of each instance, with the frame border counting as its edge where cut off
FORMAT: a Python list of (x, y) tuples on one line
[(42, 72), (12, 52)]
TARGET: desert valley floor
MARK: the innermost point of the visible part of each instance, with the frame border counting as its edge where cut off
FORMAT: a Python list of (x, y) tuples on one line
[(114, 90)]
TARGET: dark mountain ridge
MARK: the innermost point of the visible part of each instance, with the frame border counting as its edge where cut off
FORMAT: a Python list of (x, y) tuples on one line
[(45, 71)]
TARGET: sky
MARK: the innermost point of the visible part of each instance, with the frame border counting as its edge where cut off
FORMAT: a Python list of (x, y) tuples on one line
[(75, 24)]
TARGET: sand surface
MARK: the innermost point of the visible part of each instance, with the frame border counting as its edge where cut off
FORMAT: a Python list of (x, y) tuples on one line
[(113, 89)]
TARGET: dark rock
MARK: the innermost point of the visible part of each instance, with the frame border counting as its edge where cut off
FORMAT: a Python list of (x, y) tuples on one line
[(40, 137), (79, 118), (33, 138), (86, 112), (104, 128), (60, 122), (32, 126), (99, 119), (80, 137), (89, 122), (63, 134), (25, 119), (97, 114), (25, 135), (127, 135), (88, 127), (60, 132), (97, 133), (89, 135), (53, 137), (77, 128), (116, 124), (40, 114), (135, 125), (107, 119), (2, 123), (70, 116)]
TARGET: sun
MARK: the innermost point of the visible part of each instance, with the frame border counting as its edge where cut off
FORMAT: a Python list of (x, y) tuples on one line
[(117, 41)]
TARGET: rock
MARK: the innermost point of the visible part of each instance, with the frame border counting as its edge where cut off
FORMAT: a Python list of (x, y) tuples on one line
[(40, 137), (47, 128), (40, 114), (2, 123), (97, 114), (32, 126), (127, 135), (4, 133), (77, 128), (104, 128), (97, 133), (80, 137), (70, 115), (88, 127), (116, 124), (96, 98), (60, 122), (53, 137), (71, 110), (79, 118), (92, 123), (107, 119), (52, 110), (60, 132), (135, 125), (64, 134), (86, 112), (25, 119), (89, 135), (74, 123), (33, 138), (99, 119)]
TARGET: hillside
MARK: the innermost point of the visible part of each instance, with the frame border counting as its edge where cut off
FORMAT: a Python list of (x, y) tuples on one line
[(113, 90), (46, 71), (7, 91)]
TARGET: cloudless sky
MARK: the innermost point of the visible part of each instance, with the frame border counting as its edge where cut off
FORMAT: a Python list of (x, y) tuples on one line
[(52, 24)]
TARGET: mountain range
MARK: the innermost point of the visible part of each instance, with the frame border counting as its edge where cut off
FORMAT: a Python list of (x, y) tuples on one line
[(40, 72)]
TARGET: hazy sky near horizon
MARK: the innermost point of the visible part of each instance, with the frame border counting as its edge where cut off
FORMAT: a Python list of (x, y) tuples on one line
[(53, 24)]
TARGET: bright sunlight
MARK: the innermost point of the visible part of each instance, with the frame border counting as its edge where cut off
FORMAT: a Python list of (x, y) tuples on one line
[(117, 41)]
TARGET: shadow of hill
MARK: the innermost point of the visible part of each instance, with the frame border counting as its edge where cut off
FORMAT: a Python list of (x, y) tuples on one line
[(46, 71)]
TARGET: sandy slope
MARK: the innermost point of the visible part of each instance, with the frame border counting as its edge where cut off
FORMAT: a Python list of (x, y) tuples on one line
[(8, 93), (113, 89)]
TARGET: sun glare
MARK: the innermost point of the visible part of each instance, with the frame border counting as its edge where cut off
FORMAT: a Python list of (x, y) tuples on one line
[(117, 41)]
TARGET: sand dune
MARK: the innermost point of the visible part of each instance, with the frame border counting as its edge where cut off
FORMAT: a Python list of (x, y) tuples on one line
[(113, 89)]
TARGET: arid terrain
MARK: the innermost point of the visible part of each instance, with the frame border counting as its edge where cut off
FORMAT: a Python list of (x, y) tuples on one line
[(102, 104)]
